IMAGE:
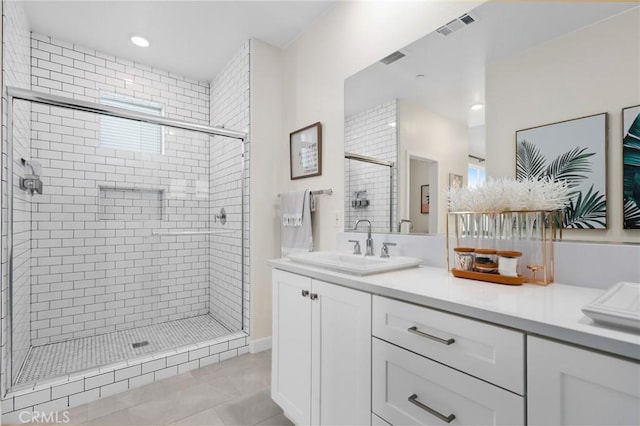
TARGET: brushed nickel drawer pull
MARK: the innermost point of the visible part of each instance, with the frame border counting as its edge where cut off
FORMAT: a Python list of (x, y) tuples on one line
[(415, 330), (414, 400)]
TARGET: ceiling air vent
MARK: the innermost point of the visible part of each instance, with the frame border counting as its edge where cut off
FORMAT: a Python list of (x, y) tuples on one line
[(466, 19), (444, 30), (392, 58), (456, 24)]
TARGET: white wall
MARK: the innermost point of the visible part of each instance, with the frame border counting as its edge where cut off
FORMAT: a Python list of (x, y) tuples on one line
[(350, 37), (589, 71), (477, 141), (426, 134), (266, 133)]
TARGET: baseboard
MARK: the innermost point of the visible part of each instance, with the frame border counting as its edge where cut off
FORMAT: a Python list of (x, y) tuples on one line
[(260, 345)]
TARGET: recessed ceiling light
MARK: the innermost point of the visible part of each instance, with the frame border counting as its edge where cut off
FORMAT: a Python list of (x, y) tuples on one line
[(138, 40), (476, 107)]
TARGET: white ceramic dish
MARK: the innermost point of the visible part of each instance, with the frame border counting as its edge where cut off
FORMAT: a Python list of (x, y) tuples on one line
[(618, 306), (355, 264)]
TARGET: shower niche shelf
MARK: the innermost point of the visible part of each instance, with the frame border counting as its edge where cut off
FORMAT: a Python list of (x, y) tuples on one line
[(130, 203)]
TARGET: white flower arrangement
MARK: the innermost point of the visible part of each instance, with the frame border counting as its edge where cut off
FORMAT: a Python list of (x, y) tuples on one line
[(510, 195)]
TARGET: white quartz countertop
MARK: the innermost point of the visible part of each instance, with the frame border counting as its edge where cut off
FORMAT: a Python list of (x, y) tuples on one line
[(552, 311)]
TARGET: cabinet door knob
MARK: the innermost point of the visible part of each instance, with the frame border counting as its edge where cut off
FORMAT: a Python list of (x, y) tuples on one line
[(314, 296), (414, 400), (414, 330), (305, 293)]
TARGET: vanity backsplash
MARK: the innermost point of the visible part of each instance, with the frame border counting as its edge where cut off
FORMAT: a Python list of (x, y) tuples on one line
[(597, 265)]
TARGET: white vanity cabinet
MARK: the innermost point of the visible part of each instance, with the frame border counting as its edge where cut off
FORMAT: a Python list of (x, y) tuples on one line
[(574, 386), (321, 353), (387, 356), (427, 367)]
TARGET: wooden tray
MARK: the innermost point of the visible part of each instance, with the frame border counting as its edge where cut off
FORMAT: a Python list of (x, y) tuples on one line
[(492, 278)]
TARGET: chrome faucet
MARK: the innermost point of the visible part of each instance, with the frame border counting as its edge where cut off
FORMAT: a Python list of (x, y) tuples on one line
[(369, 246), (405, 221)]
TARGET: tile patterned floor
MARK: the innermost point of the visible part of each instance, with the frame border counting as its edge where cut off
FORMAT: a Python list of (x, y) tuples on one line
[(232, 392), (88, 352)]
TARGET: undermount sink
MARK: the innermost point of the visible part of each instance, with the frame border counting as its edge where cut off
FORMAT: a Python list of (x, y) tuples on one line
[(353, 263)]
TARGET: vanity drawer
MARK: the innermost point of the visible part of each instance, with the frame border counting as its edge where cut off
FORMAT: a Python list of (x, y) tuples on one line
[(410, 389), (492, 353)]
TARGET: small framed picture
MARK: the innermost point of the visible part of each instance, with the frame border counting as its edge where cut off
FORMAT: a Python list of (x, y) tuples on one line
[(305, 147), (424, 199), (455, 181)]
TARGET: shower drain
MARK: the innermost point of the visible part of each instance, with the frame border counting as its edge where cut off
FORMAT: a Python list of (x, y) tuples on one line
[(139, 344)]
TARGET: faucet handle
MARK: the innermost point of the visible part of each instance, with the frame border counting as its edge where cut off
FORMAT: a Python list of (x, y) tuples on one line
[(384, 252), (356, 246)]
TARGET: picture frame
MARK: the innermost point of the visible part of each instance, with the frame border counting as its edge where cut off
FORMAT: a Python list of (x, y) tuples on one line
[(574, 151), (424, 199), (455, 181), (630, 167), (305, 151)]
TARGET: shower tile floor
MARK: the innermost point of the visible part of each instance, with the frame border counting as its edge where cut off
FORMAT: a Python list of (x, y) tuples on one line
[(69, 356)]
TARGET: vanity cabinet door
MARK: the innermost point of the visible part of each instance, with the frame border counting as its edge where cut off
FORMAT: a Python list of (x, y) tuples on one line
[(321, 355), (291, 345), (571, 386), (341, 345)]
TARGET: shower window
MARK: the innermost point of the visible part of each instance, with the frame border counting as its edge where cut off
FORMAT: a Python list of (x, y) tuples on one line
[(120, 133)]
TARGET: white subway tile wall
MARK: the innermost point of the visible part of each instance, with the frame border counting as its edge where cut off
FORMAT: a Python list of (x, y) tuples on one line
[(230, 108), (16, 63), (372, 133), (95, 266)]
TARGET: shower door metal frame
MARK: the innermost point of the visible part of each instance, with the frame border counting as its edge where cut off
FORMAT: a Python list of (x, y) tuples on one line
[(14, 93)]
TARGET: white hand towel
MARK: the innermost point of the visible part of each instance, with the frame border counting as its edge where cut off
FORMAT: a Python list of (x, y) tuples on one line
[(296, 223)]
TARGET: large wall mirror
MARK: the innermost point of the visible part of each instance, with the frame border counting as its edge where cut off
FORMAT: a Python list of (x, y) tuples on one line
[(423, 117)]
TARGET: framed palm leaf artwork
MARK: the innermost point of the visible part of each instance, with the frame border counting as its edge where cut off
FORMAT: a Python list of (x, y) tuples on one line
[(574, 151), (631, 166)]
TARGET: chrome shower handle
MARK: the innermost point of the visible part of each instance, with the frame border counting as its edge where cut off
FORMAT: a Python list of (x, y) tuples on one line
[(222, 216)]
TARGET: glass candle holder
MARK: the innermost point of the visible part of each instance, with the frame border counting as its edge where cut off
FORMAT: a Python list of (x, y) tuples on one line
[(463, 258), (508, 263), (485, 261)]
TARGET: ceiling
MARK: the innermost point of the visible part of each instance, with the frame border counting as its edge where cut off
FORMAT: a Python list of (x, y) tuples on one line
[(192, 38), (454, 66)]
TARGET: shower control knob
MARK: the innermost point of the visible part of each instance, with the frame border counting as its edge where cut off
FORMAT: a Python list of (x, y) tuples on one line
[(220, 217)]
